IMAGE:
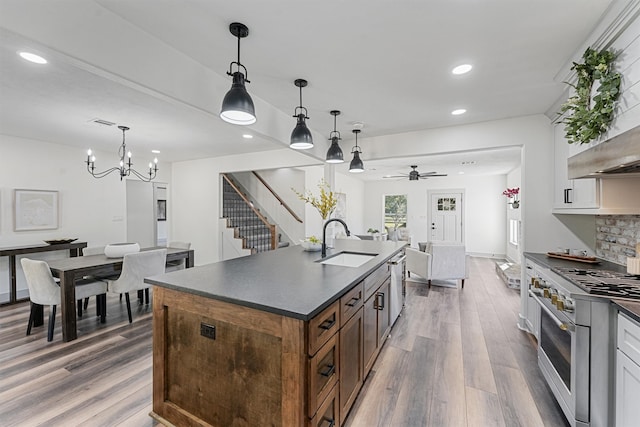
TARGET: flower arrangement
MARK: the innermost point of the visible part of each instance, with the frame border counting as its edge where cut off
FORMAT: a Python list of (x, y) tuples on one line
[(586, 122), (511, 192), (325, 204)]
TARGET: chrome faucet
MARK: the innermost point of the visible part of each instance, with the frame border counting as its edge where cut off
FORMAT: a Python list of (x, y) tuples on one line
[(324, 233)]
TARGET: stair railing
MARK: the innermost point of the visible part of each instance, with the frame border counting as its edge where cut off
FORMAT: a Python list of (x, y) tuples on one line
[(282, 202), (235, 212)]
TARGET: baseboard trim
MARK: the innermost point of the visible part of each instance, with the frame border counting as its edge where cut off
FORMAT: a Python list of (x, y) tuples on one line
[(486, 255)]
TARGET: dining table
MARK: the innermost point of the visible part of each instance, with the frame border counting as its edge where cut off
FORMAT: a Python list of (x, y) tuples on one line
[(70, 270)]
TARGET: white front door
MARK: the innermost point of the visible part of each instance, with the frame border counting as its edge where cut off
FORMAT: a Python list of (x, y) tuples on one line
[(445, 217)]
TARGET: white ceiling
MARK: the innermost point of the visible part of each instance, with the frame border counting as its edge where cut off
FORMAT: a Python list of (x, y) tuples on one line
[(159, 67)]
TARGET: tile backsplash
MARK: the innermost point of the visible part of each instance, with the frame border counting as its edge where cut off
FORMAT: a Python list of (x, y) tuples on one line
[(617, 236)]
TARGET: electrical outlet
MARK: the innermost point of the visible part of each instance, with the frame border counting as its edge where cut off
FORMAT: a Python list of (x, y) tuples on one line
[(208, 331)]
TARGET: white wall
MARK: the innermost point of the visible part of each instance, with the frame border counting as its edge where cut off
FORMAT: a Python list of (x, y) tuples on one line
[(90, 209), (484, 211), (513, 181), (355, 190)]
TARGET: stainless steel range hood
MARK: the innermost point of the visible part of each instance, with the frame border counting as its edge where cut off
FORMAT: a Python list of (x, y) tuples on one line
[(618, 156)]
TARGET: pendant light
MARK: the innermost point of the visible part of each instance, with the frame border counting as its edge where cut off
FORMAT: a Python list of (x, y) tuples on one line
[(356, 165), (237, 106), (301, 138), (334, 154)]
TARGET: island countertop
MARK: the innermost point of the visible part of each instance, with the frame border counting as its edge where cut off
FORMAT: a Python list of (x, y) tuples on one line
[(286, 281)]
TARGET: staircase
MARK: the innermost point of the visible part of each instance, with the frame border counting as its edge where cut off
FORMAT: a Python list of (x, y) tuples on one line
[(257, 234)]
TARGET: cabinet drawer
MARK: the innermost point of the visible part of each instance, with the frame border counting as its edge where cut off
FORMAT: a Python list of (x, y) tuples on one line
[(328, 413), (323, 326), (629, 338), (375, 279), (323, 373), (351, 302)]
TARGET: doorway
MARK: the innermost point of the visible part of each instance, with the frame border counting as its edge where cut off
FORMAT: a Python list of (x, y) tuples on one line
[(446, 216)]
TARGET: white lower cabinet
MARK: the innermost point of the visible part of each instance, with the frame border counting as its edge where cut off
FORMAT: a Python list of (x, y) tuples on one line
[(627, 396)]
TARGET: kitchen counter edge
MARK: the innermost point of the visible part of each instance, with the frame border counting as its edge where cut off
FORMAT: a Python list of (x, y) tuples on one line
[(272, 274)]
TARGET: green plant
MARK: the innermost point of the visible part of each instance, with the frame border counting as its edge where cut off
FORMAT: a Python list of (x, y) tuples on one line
[(585, 122), (325, 204), (372, 230), (313, 239)]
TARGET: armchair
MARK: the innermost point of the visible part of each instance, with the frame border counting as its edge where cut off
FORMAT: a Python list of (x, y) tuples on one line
[(439, 261)]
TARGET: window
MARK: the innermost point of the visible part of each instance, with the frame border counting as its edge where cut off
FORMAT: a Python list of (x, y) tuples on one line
[(395, 210), (446, 203), (514, 225)]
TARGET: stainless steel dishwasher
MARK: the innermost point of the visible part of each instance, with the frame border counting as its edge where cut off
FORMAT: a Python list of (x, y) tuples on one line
[(397, 266)]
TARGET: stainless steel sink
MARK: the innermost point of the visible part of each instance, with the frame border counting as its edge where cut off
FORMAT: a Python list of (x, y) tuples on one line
[(348, 259)]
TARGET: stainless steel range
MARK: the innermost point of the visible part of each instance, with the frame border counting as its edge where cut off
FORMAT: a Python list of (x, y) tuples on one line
[(576, 326), (607, 283)]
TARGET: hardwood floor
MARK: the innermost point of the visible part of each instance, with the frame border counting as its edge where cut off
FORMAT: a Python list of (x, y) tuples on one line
[(454, 358)]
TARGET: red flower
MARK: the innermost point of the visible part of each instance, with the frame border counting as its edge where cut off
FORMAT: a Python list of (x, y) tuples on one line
[(511, 192)]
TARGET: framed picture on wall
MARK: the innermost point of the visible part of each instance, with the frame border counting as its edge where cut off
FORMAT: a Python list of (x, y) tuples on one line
[(35, 210), (162, 210)]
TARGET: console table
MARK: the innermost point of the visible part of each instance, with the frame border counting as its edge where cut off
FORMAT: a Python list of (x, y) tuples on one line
[(12, 252)]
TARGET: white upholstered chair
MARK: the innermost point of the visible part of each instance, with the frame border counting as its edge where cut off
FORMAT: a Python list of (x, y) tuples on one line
[(44, 290), (179, 264), (135, 267), (439, 261)]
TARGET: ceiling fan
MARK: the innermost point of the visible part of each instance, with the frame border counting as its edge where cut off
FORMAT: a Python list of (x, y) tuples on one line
[(414, 175)]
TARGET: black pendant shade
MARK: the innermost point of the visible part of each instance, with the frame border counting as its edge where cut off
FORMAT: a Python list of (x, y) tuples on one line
[(356, 165), (237, 106), (301, 138), (334, 154)]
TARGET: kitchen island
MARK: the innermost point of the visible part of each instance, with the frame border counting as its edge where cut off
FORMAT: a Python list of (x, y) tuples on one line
[(273, 339)]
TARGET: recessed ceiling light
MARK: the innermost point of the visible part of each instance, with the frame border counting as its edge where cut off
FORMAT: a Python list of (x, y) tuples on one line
[(462, 69), (155, 151), (458, 111), (32, 57), (247, 136), (460, 173)]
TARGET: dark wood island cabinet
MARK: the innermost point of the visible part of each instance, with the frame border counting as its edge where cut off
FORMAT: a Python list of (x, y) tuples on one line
[(274, 339)]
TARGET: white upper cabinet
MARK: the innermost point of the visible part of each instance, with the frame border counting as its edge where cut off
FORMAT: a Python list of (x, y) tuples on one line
[(570, 193)]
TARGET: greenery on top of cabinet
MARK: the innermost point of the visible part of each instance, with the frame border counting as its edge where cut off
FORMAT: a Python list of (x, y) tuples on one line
[(589, 117)]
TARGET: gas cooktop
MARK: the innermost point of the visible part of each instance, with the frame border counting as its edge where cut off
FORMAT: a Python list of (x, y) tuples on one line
[(604, 282)]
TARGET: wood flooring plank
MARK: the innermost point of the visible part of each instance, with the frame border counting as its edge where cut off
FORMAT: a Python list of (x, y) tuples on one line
[(518, 407), (384, 385), (414, 400), (483, 409), (448, 405)]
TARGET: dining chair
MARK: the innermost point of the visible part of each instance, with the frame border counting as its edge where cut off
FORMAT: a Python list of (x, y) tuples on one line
[(44, 290), (93, 250), (178, 264), (135, 267)]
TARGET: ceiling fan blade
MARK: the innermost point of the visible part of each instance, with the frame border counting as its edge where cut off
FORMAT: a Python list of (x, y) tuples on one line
[(432, 175)]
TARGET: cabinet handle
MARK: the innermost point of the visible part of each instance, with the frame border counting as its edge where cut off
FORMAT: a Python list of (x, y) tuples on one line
[(327, 324), (331, 422), (567, 195), (380, 305), (328, 370), (353, 301)]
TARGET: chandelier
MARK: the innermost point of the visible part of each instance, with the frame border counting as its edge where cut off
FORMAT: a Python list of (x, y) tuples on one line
[(125, 168)]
